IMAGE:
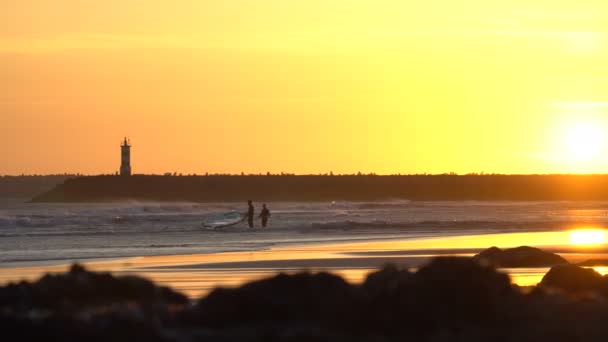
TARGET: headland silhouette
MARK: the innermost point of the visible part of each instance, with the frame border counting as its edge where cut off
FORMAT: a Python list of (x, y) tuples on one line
[(445, 187)]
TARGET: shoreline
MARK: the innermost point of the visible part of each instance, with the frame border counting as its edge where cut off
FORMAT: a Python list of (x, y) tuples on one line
[(313, 240), (197, 274)]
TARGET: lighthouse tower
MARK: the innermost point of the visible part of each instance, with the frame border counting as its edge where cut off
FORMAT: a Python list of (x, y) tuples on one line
[(125, 157)]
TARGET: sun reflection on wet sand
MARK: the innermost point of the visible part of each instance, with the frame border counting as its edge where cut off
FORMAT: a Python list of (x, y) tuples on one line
[(197, 274), (587, 237), (603, 270)]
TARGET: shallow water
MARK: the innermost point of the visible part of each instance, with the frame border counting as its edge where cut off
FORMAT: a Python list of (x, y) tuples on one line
[(168, 243), (196, 275), (35, 234)]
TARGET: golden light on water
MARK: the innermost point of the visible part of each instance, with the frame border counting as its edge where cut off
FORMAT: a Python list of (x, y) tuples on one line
[(588, 237), (187, 273)]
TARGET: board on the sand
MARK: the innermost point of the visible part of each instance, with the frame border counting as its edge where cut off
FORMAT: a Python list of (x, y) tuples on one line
[(224, 220)]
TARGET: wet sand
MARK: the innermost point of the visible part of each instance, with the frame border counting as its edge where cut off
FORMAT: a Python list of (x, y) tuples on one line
[(197, 274)]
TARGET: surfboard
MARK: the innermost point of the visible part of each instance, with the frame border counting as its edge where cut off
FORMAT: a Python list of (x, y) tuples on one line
[(223, 220)]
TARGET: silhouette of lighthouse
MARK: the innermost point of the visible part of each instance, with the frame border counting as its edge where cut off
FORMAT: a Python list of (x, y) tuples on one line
[(125, 154)]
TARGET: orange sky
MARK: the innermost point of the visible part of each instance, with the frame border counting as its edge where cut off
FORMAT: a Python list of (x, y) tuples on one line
[(304, 86)]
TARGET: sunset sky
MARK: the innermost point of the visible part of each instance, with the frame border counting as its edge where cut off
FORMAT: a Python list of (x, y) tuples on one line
[(304, 86)]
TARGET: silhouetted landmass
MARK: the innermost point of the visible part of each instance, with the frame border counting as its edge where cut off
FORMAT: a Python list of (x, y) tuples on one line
[(449, 299), (522, 256), (25, 187), (330, 188)]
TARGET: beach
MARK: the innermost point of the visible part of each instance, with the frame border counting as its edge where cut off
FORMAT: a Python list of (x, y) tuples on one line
[(176, 244), (390, 270), (197, 274)]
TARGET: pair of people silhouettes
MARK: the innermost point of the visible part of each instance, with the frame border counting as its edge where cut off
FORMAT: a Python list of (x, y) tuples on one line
[(264, 215)]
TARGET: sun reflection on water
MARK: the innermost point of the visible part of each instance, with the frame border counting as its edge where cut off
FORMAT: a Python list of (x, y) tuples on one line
[(603, 270), (195, 275), (588, 236)]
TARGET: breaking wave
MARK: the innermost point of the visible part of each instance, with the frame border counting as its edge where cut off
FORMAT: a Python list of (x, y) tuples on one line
[(133, 228)]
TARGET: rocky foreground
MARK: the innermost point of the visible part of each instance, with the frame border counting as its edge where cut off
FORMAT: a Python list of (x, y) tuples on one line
[(450, 299)]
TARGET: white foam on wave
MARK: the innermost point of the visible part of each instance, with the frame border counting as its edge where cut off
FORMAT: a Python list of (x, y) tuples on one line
[(138, 228)]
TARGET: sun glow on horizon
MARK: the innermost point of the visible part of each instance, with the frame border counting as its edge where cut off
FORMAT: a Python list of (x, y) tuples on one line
[(584, 141), (303, 87), (588, 237)]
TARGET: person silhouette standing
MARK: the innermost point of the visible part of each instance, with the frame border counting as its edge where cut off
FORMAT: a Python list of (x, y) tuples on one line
[(250, 213), (264, 215)]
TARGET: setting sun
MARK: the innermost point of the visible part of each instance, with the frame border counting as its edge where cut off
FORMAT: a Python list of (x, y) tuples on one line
[(420, 170), (584, 141), (588, 237)]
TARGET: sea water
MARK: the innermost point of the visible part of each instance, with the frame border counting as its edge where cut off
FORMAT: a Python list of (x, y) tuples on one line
[(36, 234)]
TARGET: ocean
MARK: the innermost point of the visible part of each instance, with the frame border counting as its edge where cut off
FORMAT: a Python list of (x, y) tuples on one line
[(46, 234)]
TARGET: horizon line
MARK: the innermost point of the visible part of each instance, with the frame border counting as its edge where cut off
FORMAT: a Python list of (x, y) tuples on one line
[(286, 174)]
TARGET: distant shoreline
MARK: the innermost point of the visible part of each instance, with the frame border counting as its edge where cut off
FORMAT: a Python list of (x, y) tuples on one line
[(226, 188)]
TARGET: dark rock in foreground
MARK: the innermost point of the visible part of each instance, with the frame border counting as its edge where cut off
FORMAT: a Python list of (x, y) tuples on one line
[(283, 300), (80, 289), (575, 280), (450, 295), (114, 327), (450, 299), (523, 256)]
